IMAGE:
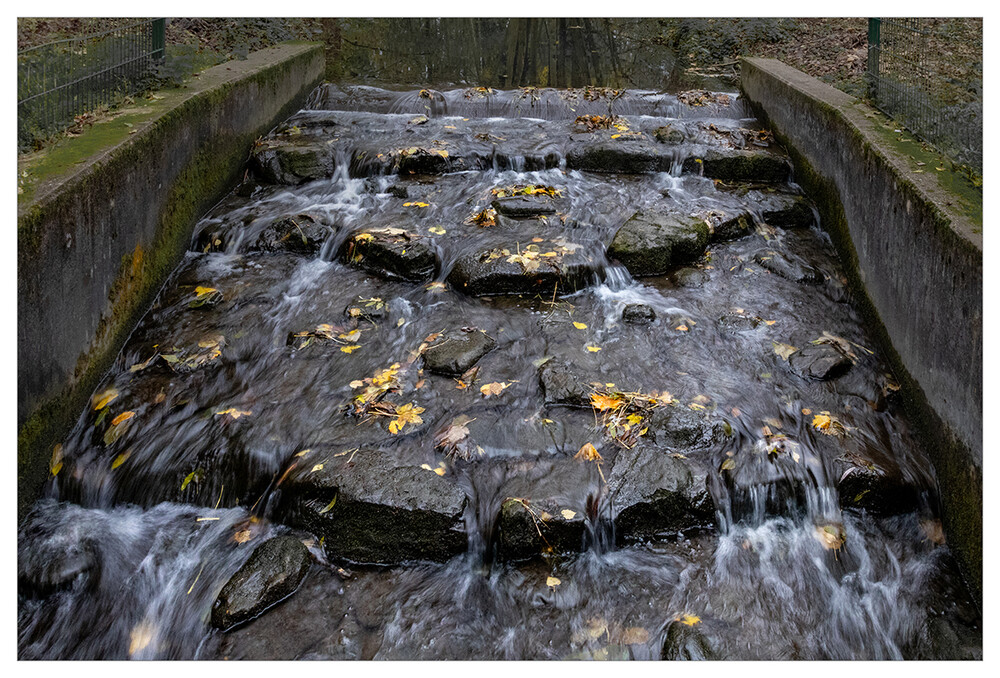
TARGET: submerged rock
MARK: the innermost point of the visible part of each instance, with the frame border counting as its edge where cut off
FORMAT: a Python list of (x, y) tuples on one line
[(787, 211), (632, 157), (680, 427), (652, 242), (739, 322), (668, 134), (656, 494), (638, 314), (819, 361), (687, 643), (865, 484), (563, 386), (520, 206), (272, 573), (376, 506), (458, 351), (301, 233), (281, 161), (729, 224), (391, 253), (532, 527), (788, 266), (371, 309)]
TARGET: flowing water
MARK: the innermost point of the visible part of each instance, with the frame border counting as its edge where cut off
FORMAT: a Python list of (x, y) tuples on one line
[(134, 538)]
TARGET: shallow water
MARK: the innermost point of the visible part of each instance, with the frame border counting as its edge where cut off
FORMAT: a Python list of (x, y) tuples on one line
[(119, 560)]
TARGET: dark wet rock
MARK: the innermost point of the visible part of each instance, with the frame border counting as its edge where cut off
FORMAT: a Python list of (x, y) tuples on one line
[(214, 238), (788, 266), (247, 188), (690, 276), (564, 386), (739, 322), (281, 161), (490, 272), (652, 242), (372, 309), (391, 253), (629, 157), (688, 643), (458, 351), (819, 361), (864, 484), (521, 520), (301, 234), (399, 191), (680, 427), (57, 560), (422, 161), (656, 493), (749, 166), (950, 641), (638, 314), (787, 211), (376, 506), (272, 573), (668, 134), (520, 206), (729, 224)]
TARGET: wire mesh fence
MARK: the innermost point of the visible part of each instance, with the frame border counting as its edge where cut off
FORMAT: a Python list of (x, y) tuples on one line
[(928, 75), (59, 80)]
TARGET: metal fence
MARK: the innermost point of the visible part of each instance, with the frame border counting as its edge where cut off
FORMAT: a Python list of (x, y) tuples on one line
[(60, 80), (928, 75)]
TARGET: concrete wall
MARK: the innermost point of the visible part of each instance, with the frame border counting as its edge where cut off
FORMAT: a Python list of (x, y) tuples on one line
[(96, 244), (916, 264)]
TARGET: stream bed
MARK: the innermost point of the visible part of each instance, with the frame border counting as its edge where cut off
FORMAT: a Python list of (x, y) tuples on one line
[(538, 374)]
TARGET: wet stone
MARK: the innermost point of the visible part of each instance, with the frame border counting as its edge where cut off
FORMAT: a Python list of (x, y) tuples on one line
[(57, 560), (620, 158), (279, 161), (531, 527), (563, 386), (376, 506), (787, 211), (866, 485), (820, 362), (458, 351), (668, 134), (490, 272), (742, 166), (656, 494), (372, 309), (788, 266), (638, 314), (301, 234), (391, 253), (652, 242), (739, 322), (688, 643), (681, 428), (519, 206), (690, 276), (730, 225), (272, 573)]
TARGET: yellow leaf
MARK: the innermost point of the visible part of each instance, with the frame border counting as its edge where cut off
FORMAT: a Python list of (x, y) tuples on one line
[(440, 470), (603, 402), (593, 349), (242, 536), (552, 582), (495, 388), (588, 453), (784, 350), (351, 348), (55, 463), (202, 291), (235, 413), (124, 416), (416, 204), (426, 467), (832, 537), (317, 467), (770, 322), (567, 514), (121, 458), (689, 619), (437, 230), (435, 287), (140, 637), (363, 237), (728, 465), (101, 400), (822, 421), (580, 326)]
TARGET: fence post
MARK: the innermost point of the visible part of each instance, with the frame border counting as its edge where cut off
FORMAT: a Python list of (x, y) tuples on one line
[(874, 50), (159, 39)]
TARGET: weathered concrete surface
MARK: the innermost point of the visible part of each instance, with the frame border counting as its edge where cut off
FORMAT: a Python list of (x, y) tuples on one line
[(96, 244), (916, 262)]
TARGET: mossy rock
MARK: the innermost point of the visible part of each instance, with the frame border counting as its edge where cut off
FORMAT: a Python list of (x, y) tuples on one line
[(652, 242), (742, 166)]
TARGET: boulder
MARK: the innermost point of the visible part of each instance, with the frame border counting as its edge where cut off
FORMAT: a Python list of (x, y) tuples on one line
[(652, 242), (458, 351), (687, 643), (281, 161), (273, 572), (532, 527), (820, 362), (391, 253), (498, 271), (668, 134), (877, 488), (521, 206), (638, 314), (620, 157), (679, 427), (563, 386), (376, 506), (301, 234), (657, 494), (739, 165), (787, 211), (730, 224), (788, 266)]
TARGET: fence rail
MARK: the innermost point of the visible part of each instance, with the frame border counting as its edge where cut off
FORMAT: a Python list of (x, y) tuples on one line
[(59, 80), (928, 75)]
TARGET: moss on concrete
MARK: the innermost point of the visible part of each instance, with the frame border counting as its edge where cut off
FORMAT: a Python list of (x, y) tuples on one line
[(204, 179)]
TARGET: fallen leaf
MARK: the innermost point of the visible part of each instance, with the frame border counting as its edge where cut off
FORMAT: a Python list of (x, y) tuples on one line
[(688, 619), (405, 414), (601, 401), (121, 458), (580, 326), (567, 514), (416, 204), (351, 348), (552, 582), (235, 413), (124, 416), (437, 230), (783, 350), (242, 536), (492, 389), (593, 349), (101, 400), (55, 463), (832, 537), (140, 637), (588, 453)]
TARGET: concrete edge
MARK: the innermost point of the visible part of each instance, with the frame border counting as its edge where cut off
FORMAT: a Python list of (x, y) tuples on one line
[(791, 102), (137, 258)]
